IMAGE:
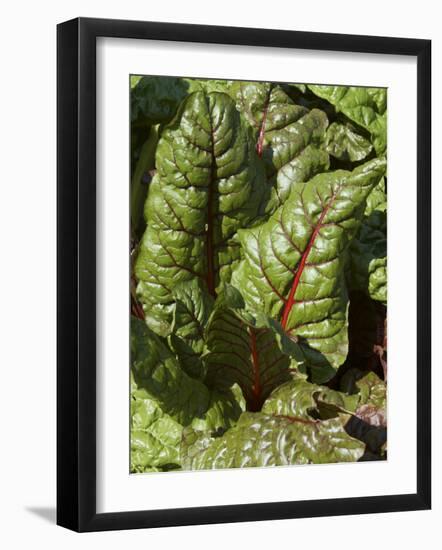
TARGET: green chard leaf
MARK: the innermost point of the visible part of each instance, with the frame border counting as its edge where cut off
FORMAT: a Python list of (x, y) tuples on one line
[(208, 85), (186, 400), (377, 199), (155, 99), (157, 371), (260, 271), (289, 137), (134, 79), (193, 306), (367, 107), (294, 263), (367, 270), (223, 411), (343, 143), (139, 187), (264, 440), (302, 399), (369, 423), (155, 436), (241, 352), (371, 392), (209, 184)]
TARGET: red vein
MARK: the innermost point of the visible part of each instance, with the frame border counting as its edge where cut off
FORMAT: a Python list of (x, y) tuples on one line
[(136, 309), (291, 298), (256, 388), (260, 143), (296, 419)]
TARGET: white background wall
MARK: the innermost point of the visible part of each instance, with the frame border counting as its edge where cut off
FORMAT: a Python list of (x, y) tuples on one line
[(27, 274)]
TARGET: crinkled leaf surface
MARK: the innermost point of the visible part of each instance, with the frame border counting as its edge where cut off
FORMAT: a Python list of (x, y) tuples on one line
[(289, 137), (208, 85), (155, 99), (241, 352), (343, 143), (365, 106), (371, 392), (157, 372), (377, 199), (294, 263), (369, 387), (229, 155), (368, 252), (223, 411), (193, 306), (368, 265), (264, 440), (209, 183), (155, 436), (302, 399)]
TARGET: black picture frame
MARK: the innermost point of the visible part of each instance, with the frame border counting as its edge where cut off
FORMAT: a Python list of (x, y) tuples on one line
[(76, 273)]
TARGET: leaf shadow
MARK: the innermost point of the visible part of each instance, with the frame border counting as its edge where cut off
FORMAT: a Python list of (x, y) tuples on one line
[(374, 438)]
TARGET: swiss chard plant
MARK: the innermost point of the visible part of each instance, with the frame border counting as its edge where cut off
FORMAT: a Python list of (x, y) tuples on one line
[(258, 288)]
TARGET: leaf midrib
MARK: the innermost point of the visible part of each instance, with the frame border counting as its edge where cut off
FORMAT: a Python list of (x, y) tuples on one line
[(291, 300), (262, 129)]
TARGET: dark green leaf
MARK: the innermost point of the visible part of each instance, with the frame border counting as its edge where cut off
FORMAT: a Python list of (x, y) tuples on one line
[(368, 252), (138, 192), (186, 400), (155, 99), (193, 306), (365, 106), (294, 263), (288, 136), (208, 185), (344, 143), (241, 352)]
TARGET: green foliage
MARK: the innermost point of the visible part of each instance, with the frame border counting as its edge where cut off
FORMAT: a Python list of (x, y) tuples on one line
[(257, 209), (193, 306), (294, 263), (303, 399), (155, 436), (367, 107), (242, 352), (343, 143), (266, 440), (208, 185), (288, 136)]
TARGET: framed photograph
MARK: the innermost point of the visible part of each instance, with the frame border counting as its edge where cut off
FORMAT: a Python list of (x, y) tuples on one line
[(224, 196)]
